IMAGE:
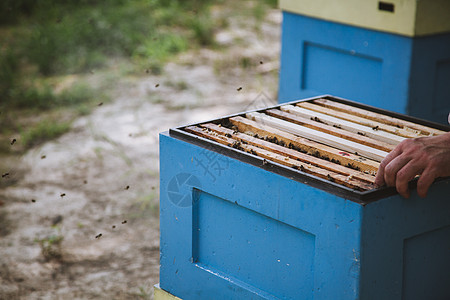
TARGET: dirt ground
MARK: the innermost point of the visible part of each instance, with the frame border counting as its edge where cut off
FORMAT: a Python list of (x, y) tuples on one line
[(79, 215)]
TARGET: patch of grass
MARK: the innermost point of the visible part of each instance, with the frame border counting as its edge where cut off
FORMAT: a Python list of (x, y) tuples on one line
[(5, 224), (43, 131), (203, 30), (83, 110), (31, 96), (40, 95), (179, 85), (78, 94), (51, 245), (39, 114), (246, 62), (149, 203), (157, 100), (176, 106), (99, 153), (155, 67), (161, 47), (9, 65), (271, 3), (259, 11), (145, 293)]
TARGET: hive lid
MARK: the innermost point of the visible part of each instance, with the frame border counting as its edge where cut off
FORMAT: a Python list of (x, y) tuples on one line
[(326, 142), (405, 17)]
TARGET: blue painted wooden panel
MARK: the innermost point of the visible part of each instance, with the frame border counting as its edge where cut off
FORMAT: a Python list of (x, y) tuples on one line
[(379, 62), (429, 95), (393, 72), (238, 242), (426, 264), (361, 72), (301, 222), (397, 235)]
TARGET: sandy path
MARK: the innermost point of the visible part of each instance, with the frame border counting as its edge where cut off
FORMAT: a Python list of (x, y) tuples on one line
[(102, 176)]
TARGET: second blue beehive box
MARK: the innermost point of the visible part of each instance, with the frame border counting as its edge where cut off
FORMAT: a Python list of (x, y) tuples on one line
[(390, 54)]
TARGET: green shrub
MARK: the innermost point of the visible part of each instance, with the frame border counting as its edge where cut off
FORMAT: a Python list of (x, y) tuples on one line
[(40, 97), (66, 39), (203, 29), (8, 75), (11, 10), (272, 3), (83, 40)]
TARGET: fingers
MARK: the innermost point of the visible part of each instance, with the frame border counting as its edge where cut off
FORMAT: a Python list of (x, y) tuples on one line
[(379, 179), (401, 170), (424, 183), (391, 170), (405, 175), (397, 169)]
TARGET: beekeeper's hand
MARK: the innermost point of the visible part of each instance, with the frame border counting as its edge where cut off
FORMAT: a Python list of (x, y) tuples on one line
[(428, 157)]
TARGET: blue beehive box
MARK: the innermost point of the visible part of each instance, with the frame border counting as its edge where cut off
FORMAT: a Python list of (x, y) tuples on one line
[(390, 54), (237, 226)]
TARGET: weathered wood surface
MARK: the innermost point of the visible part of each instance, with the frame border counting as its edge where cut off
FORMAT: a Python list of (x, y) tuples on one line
[(378, 117), (305, 145), (347, 125), (319, 136), (360, 120), (351, 136), (348, 181), (294, 154)]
